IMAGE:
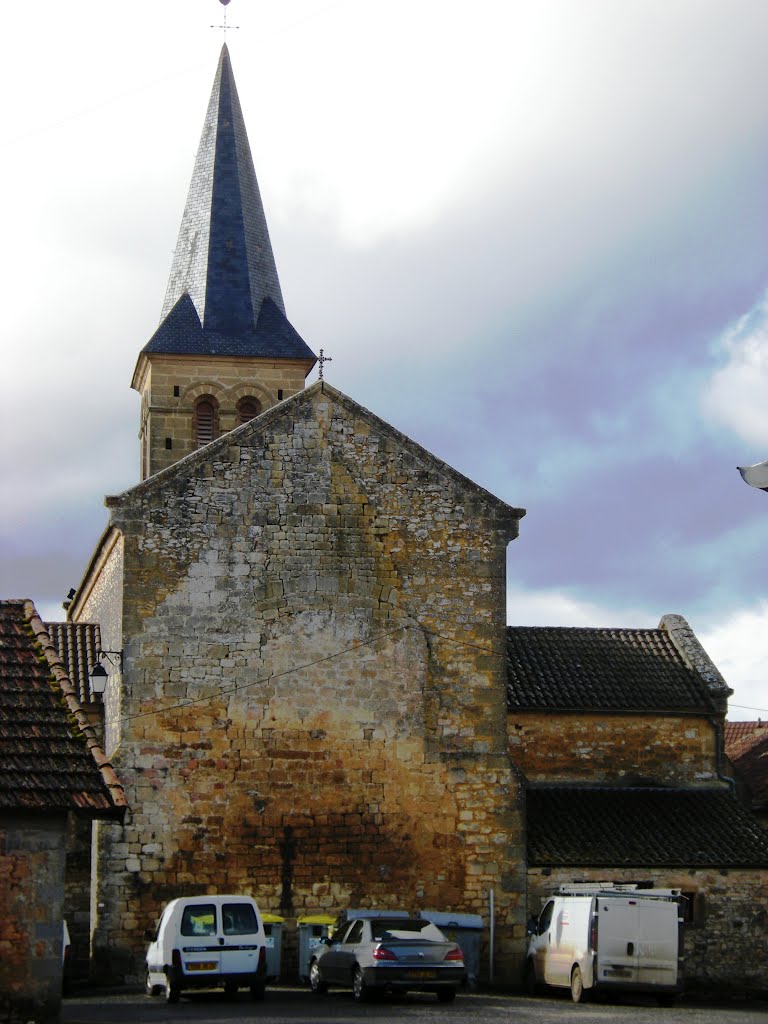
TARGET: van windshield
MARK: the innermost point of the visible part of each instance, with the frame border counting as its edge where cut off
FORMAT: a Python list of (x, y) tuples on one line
[(239, 919), (199, 919)]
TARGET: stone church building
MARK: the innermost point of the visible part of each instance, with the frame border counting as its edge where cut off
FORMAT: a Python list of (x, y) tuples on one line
[(318, 699)]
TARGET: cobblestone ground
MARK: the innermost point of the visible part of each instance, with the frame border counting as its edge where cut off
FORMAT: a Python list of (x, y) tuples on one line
[(288, 1005)]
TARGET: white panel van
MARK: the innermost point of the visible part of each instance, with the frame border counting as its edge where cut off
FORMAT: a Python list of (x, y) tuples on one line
[(207, 942), (602, 939)]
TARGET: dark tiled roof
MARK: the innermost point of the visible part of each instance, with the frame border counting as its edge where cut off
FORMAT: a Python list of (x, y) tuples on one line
[(50, 758), (78, 644), (224, 296), (575, 669), (273, 337), (593, 827)]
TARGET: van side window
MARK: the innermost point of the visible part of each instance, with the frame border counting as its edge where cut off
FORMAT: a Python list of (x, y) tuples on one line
[(239, 919), (199, 919), (546, 917)]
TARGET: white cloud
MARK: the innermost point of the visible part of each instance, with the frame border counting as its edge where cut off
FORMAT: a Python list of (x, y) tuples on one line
[(739, 648), (557, 608), (736, 393)]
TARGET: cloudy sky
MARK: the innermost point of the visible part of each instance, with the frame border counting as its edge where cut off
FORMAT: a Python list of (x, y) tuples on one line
[(531, 234)]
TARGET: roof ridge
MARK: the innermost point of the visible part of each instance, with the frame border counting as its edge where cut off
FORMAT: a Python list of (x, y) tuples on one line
[(102, 762)]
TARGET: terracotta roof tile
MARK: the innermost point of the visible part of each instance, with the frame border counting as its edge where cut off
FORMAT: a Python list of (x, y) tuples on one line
[(739, 734), (50, 757), (604, 827), (578, 669), (750, 765), (78, 644)]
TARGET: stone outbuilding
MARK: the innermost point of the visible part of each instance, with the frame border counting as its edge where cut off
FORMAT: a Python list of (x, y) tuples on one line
[(52, 769), (619, 734)]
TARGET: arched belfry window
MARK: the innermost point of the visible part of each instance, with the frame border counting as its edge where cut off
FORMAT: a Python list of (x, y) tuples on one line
[(247, 408), (205, 420)]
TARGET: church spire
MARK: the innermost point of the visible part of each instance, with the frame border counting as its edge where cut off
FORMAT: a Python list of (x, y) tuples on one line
[(223, 256), (224, 343), (223, 265)]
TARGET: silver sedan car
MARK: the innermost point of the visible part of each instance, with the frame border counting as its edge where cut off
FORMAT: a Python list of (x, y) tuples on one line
[(388, 954)]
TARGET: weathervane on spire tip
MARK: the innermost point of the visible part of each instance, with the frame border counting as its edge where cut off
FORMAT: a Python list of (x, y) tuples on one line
[(225, 26)]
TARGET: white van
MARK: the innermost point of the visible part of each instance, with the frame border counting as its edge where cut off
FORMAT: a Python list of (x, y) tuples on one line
[(608, 938), (207, 942)]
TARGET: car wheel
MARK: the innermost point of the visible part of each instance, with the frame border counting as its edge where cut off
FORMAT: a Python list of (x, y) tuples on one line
[(666, 999), (578, 992), (172, 989), (316, 980), (149, 988), (258, 991), (360, 990), (446, 995)]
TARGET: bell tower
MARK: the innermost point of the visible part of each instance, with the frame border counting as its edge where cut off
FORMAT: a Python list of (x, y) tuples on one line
[(225, 350)]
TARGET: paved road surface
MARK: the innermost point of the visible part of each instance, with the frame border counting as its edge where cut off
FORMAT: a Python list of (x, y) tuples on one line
[(289, 1005)]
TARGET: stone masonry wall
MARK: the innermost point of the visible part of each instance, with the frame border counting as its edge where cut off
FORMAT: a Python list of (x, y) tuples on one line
[(603, 748), (166, 415), (313, 707), (726, 936), (31, 894)]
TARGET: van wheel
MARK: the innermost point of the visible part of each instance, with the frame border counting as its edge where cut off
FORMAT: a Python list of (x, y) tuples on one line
[(666, 999), (530, 983), (149, 988), (258, 991), (172, 989), (230, 990), (578, 992)]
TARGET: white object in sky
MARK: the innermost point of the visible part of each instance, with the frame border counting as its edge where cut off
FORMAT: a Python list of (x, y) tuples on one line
[(756, 476)]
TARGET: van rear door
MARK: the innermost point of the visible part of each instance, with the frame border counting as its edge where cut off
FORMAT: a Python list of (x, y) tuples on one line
[(638, 941), (658, 943), (242, 938), (200, 946), (617, 939)]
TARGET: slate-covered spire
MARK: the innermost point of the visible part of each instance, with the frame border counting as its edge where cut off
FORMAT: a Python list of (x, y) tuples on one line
[(224, 295)]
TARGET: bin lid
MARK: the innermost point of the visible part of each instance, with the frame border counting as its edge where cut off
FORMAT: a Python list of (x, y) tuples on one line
[(317, 919), (352, 915), (448, 920), (272, 919)]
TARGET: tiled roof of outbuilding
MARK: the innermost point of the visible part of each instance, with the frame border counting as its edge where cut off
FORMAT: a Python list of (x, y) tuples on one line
[(738, 733), (563, 668), (749, 758), (50, 758), (78, 644), (602, 827)]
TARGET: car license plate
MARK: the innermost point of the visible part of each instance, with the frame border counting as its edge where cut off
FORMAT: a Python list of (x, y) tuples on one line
[(203, 965), (428, 975)]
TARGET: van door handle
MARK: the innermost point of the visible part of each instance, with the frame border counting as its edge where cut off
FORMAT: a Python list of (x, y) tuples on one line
[(630, 949), (221, 942)]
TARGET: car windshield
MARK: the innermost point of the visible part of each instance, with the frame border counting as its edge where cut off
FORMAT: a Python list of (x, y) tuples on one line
[(406, 929)]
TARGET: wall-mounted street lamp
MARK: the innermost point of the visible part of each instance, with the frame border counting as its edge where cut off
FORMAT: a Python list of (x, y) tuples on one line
[(755, 476), (98, 675)]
